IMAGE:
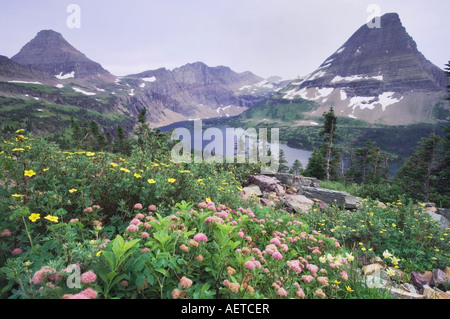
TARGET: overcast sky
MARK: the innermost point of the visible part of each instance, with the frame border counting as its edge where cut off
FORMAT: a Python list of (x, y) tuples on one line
[(267, 37)]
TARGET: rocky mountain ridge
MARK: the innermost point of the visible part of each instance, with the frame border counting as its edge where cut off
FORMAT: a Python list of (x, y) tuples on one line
[(378, 76), (192, 91)]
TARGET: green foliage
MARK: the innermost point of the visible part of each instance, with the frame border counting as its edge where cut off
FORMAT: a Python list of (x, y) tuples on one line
[(401, 228)]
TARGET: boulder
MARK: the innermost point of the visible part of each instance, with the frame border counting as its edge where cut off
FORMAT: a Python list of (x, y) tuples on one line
[(419, 279), (252, 190), (331, 197), (374, 280), (297, 203), (430, 293), (297, 181), (439, 277), (443, 222), (265, 183), (444, 212), (402, 294), (372, 268)]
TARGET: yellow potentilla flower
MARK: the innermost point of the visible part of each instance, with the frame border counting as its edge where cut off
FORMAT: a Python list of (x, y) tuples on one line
[(151, 181), (363, 249), (29, 173), (208, 200), (336, 282), (34, 217), (18, 149), (73, 190), (45, 169), (155, 165), (20, 131), (137, 175), (52, 218), (90, 154), (349, 289), (17, 195), (113, 164), (98, 253), (125, 170), (171, 180), (200, 180), (394, 225)]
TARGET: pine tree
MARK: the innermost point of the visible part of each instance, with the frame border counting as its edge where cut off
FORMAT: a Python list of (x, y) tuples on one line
[(316, 165), (415, 176), (297, 168), (329, 133), (121, 144), (283, 168)]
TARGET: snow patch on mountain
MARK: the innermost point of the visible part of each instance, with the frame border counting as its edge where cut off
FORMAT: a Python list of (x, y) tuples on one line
[(66, 76), (82, 91)]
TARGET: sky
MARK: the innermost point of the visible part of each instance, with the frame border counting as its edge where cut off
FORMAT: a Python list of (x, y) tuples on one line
[(287, 38)]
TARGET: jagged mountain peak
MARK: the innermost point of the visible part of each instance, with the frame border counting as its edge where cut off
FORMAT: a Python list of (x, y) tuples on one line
[(49, 51), (377, 75)]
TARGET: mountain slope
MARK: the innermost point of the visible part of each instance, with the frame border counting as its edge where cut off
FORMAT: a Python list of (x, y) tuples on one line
[(50, 52), (378, 76)]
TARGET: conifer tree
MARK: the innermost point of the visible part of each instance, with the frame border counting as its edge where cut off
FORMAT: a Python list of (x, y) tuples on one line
[(330, 152), (283, 168), (297, 168)]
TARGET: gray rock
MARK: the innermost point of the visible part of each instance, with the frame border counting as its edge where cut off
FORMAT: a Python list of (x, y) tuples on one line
[(444, 212), (297, 181), (265, 183), (443, 222), (332, 197), (298, 203), (252, 190)]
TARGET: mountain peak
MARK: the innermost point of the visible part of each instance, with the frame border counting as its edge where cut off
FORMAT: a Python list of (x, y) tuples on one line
[(374, 69), (49, 51)]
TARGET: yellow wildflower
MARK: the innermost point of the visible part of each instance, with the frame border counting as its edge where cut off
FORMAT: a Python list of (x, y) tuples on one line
[(113, 164), (208, 200), (90, 154), (151, 181), (137, 175), (52, 218), (171, 180), (17, 195), (20, 131), (73, 190), (125, 170), (29, 173), (18, 149), (34, 217), (349, 289)]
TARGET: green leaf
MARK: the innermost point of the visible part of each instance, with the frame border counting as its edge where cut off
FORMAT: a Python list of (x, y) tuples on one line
[(140, 280), (162, 271), (111, 275), (21, 212)]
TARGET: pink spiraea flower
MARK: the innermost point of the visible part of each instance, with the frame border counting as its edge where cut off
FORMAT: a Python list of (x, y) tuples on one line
[(88, 277), (200, 237)]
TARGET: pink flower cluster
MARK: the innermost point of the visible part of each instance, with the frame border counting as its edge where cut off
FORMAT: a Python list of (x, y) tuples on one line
[(88, 277), (88, 293), (42, 273), (5, 233), (200, 237)]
